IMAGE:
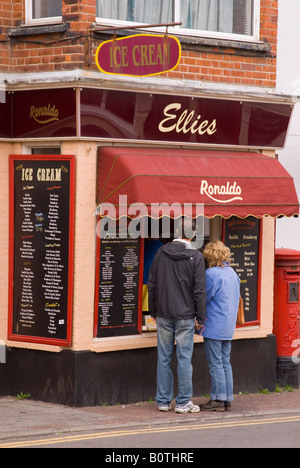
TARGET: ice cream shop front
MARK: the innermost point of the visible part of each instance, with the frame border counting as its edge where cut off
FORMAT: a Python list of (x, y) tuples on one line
[(94, 176)]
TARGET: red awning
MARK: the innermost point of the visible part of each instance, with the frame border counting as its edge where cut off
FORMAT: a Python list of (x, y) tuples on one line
[(227, 183)]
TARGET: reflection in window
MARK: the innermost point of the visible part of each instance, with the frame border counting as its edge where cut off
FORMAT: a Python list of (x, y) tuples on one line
[(45, 150), (139, 11), (226, 16), (46, 8)]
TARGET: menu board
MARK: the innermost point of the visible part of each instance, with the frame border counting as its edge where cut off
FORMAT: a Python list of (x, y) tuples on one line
[(242, 237), (41, 248), (119, 285)]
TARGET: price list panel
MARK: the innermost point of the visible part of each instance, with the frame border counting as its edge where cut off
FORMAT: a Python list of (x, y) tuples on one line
[(242, 236), (119, 287), (41, 248)]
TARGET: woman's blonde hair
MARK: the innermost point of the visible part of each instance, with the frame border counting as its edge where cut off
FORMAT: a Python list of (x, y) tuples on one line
[(215, 253)]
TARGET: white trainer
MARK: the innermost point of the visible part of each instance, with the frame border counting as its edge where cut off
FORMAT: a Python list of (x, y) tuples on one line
[(188, 408), (164, 408)]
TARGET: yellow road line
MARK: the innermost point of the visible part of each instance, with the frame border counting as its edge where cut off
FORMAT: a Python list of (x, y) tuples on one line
[(156, 430)]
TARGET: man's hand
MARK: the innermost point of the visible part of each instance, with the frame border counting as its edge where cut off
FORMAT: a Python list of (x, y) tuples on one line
[(199, 329)]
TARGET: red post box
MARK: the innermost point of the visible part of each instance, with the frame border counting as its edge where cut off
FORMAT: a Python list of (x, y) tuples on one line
[(287, 315)]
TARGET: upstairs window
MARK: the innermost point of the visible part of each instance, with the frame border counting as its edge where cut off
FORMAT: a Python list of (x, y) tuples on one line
[(231, 19), (43, 11)]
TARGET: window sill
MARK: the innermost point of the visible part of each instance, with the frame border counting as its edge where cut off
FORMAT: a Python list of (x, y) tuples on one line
[(39, 29), (149, 340), (104, 345), (201, 44), (198, 43)]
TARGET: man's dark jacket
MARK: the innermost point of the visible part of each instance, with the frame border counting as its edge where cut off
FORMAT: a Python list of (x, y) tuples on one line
[(176, 283)]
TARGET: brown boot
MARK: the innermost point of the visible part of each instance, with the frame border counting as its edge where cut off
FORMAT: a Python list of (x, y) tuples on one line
[(213, 405), (227, 406)]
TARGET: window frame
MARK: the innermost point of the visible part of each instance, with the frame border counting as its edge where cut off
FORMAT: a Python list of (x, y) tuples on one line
[(177, 30), (30, 21), (29, 148)]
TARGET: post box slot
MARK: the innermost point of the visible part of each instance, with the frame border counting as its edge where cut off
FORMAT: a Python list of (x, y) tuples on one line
[(292, 274)]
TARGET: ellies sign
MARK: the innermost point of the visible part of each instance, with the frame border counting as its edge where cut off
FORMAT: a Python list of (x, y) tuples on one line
[(140, 55)]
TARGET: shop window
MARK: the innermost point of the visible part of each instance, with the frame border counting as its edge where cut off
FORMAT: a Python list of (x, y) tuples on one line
[(45, 150), (43, 11), (125, 252), (214, 18)]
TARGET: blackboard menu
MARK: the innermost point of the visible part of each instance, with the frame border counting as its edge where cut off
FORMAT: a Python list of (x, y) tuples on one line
[(41, 253), (119, 285), (242, 237)]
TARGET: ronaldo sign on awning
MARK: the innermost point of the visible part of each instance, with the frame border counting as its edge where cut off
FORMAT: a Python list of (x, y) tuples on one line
[(140, 55), (226, 183)]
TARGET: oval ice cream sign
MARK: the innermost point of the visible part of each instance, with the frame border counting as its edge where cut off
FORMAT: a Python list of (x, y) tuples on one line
[(140, 55)]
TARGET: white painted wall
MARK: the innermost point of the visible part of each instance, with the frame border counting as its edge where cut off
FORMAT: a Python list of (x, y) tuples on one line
[(288, 82)]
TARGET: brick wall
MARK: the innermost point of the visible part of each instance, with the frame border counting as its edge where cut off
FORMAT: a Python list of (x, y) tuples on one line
[(227, 68), (71, 49)]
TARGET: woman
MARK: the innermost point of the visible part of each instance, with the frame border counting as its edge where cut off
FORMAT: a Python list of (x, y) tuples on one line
[(223, 293)]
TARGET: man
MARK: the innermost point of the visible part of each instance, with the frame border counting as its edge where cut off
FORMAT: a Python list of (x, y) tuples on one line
[(177, 296)]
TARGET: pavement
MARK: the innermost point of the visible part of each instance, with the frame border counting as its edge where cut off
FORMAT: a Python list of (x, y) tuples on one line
[(28, 418)]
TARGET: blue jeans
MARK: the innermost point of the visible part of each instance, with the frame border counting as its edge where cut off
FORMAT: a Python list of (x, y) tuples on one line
[(169, 330), (218, 359)]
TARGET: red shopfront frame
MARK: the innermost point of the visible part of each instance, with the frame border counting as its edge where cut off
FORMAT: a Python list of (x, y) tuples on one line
[(41, 251), (247, 261)]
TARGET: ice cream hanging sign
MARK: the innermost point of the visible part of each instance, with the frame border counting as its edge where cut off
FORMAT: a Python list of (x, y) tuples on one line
[(139, 55)]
